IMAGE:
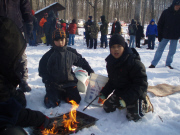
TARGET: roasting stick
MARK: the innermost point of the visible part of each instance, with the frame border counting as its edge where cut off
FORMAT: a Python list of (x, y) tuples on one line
[(90, 102)]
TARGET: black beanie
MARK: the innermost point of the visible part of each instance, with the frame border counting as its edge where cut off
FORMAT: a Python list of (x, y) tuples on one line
[(116, 39)]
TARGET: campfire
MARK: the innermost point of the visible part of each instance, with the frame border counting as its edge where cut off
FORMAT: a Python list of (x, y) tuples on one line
[(68, 123)]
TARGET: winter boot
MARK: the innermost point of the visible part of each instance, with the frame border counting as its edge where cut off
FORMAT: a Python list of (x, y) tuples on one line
[(23, 86), (151, 66)]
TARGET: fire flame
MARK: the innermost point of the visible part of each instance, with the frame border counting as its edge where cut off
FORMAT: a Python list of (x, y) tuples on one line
[(71, 123), (50, 131)]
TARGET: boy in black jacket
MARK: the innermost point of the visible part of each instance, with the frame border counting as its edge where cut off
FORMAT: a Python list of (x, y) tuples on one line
[(128, 80), (55, 68)]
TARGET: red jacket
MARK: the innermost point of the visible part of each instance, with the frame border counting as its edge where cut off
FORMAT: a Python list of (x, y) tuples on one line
[(42, 21), (63, 25), (72, 28)]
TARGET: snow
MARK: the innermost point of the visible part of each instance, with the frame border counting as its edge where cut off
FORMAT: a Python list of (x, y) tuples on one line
[(166, 117)]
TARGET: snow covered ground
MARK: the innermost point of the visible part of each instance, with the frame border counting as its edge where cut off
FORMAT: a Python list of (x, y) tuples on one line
[(167, 108)]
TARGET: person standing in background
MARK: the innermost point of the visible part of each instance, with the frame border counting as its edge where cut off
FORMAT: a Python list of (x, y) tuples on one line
[(132, 33), (72, 31), (151, 33), (35, 28), (168, 30), (104, 31), (139, 34), (116, 27), (87, 31)]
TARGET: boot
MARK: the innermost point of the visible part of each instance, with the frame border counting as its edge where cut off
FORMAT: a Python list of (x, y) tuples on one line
[(23, 86)]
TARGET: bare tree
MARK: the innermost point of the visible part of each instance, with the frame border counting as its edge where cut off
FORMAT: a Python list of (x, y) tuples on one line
[(137, 15)]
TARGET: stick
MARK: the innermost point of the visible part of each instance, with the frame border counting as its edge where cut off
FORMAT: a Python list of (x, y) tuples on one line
[(90, 102)]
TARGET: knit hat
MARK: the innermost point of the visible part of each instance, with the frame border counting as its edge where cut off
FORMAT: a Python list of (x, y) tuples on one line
[(33, 13), (116, 39), (58, 34)]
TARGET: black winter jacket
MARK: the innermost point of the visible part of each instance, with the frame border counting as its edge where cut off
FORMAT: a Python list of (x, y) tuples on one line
[(139, 32), (169, 24), (117, 28), (19, 11), (127, 77), (56, 66)]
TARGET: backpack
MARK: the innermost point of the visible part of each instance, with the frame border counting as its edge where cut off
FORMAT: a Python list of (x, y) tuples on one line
[(131, 29)]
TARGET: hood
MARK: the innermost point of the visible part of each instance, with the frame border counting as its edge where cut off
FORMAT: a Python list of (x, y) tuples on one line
[(175, 2), (103, 18), (12, 46), (151, 21), (133, 21), (51, 14)]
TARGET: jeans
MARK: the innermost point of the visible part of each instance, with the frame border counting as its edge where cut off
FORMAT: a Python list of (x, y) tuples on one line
[(71, 37), (132, 40), (33, 42), (104, 39), (160, 50), (151, 38)]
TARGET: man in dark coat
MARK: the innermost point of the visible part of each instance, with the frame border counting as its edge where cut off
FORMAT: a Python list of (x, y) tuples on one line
[(127, 80), (116, 27), (139, 34), (168, 30), (132, 33), (32, 42), (20, 12), (49, 27), (104, 31), (13, 114), (87, 26), (55, 68)]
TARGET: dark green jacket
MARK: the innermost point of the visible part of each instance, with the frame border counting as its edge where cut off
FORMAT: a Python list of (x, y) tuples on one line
[(94, 31)]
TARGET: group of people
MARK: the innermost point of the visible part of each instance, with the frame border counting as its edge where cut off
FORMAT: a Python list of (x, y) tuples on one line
[(126, 72), (91, 32)]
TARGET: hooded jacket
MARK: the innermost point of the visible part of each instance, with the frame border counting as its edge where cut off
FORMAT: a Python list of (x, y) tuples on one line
[(104, 26), (169, 23), (133, 24), (152, 29), (56, 66), (127, 77)]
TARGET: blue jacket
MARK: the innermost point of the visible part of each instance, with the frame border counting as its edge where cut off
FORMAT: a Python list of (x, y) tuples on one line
[(152, 29)]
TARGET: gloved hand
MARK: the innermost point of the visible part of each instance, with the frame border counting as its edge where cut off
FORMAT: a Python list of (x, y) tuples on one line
[(91, 71), (122, 104), (102, 96)]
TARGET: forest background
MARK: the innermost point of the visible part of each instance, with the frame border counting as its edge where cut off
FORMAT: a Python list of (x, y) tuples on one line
[(124, 10)]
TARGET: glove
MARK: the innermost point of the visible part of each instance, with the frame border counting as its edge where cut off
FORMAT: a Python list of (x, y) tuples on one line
[(122, 104), (91, 71)]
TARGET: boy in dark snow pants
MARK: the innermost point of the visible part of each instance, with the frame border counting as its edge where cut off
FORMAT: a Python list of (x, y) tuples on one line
[(55, 68), (128, 80)]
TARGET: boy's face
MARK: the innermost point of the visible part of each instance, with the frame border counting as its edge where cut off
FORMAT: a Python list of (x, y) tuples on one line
[(176, 7), (116, 51), (152, 23), (60, 42)]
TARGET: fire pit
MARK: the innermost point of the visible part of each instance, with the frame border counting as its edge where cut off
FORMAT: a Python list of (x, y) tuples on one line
[(83, 121)]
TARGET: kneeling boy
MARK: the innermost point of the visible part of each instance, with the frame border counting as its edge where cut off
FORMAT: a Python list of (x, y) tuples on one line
[(55, 68), (128, 80)]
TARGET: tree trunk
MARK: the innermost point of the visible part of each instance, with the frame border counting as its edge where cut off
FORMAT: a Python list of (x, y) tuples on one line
[(137, 15), (104, 7), (75, 11), (87, 9), (144, 13), (95, 10), (152, 9), (65, 10)]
